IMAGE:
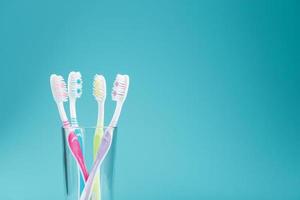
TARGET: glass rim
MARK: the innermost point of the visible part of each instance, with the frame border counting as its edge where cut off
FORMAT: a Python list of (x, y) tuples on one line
[(90, 127)]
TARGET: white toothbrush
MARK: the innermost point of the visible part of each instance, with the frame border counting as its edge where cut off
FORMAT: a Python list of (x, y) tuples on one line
[(60, 95), (100, 96), (119, 94), (75, 91)]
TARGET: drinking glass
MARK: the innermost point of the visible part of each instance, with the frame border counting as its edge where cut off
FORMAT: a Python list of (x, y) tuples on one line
[(71, 170)]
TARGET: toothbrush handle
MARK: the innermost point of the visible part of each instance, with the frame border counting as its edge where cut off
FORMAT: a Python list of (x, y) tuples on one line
[(81, 180), (77, 153), (102, 152), (97, 187)]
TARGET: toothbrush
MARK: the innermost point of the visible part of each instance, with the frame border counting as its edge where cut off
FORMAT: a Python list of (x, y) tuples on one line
[(59, 91), (75, 91), (119, 94), (100, 96)]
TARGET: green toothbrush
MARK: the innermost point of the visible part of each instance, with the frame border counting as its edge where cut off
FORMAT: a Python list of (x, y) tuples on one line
[(100, 96)]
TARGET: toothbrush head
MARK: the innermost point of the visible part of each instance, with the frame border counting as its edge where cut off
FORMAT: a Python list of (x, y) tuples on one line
[(74, 85), (120, 88), (99, 89), (59, 89)]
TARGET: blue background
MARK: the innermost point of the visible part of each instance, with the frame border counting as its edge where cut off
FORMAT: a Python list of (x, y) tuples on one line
[(213, 107)]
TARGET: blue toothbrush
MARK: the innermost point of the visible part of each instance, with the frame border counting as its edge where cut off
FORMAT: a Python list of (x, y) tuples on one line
[(75, 91)]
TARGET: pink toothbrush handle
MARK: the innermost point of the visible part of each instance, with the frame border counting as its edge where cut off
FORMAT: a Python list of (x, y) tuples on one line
[(76, 151)]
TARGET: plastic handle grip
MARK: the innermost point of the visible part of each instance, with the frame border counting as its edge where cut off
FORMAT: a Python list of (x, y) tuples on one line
[(76, 151)]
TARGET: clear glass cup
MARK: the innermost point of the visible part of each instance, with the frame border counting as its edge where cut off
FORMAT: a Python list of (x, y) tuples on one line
[(71, 172)]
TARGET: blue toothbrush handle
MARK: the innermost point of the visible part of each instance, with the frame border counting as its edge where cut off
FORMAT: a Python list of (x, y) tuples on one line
[(81, 178)]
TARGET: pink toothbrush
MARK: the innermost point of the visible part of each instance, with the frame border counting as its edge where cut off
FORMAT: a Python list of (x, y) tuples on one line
[(60, 95)]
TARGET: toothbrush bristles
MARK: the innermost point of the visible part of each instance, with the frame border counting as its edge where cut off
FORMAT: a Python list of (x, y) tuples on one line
[(59, 88), (120, 87), (99, 87), (75, 85)]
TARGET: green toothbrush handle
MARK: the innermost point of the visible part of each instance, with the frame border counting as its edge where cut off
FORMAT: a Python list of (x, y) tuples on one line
[(97, 185)]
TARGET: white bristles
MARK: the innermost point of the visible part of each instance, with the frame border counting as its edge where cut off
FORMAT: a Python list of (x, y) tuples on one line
[(99, 87), (120, 88), (59, 89), (74, 85)]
